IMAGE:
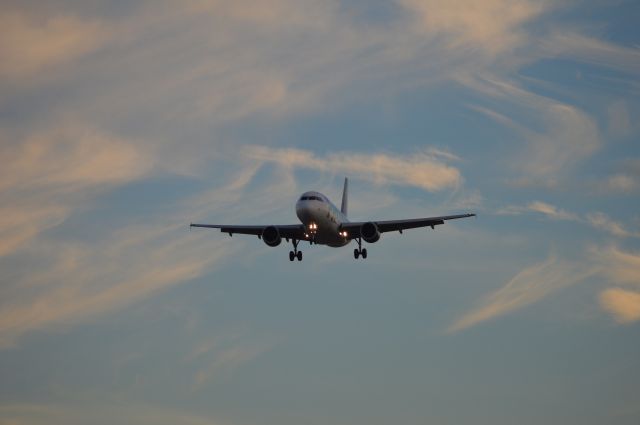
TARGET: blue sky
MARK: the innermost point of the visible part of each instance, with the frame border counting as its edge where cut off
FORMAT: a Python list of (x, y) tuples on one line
[(122, 122)]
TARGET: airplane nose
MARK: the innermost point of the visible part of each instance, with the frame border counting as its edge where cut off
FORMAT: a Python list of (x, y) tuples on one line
[(302, 212)]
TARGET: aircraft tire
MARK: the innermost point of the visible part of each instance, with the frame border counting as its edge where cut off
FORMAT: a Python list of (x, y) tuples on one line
[(364, 253), (356, 254), (299, 255), (291, 255)]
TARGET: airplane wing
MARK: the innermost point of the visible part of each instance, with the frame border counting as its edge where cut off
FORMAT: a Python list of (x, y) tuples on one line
[(353, 227), (288, 231)]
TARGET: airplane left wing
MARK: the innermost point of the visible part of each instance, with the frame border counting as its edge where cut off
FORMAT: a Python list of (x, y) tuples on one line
[(288, 231), (353, 228)]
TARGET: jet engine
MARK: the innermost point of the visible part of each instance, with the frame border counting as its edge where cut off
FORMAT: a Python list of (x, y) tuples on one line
[(271, 236), (369, 232)]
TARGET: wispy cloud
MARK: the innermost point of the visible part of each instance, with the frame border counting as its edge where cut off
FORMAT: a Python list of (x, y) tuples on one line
[(558, 135), (624, 305), (66, 282), (625, 180), (597, 220), (577, 46), (475, 24), (621, 268), (119, 413), (424, 170), (225, 360), (55, 170), (30, 44), (620, 183), (548, 210), (527, 287), (76, 282), (536, 282), (551, 211)]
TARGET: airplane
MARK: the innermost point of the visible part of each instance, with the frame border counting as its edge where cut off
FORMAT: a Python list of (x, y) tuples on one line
[(322, 223)]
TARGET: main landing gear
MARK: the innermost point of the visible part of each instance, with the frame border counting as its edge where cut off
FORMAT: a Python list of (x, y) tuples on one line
[(360, 250), (295, 253)]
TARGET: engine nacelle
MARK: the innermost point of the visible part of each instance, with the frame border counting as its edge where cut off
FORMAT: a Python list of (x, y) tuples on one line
[(271, 236), (369, 232)]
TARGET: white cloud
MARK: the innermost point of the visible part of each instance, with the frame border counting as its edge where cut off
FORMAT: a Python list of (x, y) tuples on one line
[(65, 282), (72, 156), (536, 282), (622, 268), (551, 211), (587, 49), (474, 24), (623, 304), (30, 45), (53, 171), (625, 180), (76, 282), (601, 221), (544, 208), (422, 170), (558, 136), (597, 220), (527, 287)]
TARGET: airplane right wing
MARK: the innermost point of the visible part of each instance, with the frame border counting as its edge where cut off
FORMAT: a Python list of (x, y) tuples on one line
[(354, 228)]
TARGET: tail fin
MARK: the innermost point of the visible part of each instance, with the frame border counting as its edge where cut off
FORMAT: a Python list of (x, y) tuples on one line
[(345, 196)]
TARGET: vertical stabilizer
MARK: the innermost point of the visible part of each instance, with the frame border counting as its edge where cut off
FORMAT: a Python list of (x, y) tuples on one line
[(345, 196)]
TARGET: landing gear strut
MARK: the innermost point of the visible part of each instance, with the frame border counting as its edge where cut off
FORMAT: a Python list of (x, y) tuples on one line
[(360, 250), (295, 253)]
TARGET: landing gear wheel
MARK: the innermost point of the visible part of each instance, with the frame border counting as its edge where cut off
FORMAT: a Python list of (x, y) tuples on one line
[(356, 253), (295, 253), (364, 253)]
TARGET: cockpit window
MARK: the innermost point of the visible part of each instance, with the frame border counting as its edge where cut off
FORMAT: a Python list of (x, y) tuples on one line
[(311, 198), (304, 198)]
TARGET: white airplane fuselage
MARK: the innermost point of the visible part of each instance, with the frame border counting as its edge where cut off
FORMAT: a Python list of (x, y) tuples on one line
[(321, 219)]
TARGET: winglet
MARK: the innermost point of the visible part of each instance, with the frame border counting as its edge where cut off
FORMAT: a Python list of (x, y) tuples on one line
[(345, 196)]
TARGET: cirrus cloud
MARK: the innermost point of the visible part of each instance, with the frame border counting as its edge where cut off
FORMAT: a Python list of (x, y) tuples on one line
[(30, 45), (530, 285), (426, 170), (53, 171), (624, 305), (475, 23)]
